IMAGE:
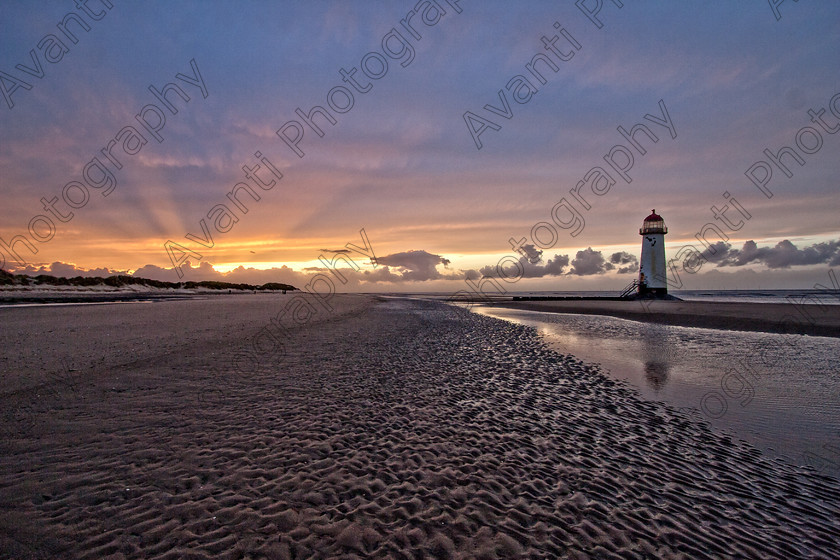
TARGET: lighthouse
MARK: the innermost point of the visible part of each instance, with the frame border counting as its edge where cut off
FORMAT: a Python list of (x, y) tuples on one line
[(652, 282)]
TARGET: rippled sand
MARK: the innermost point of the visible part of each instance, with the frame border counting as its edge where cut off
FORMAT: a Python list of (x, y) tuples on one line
[(389, 429)]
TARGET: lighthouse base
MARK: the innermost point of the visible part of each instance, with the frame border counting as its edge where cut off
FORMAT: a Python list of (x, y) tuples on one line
[(646, 293), (652, 293)]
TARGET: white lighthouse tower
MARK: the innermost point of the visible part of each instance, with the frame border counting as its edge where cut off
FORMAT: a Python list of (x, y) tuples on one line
[(652, 269)]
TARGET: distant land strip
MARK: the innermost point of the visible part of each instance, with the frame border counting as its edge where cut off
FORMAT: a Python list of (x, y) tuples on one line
[(11, 283)]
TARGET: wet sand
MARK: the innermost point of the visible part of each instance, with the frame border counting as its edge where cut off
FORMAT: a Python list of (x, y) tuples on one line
[(786, 318), (387, 429)]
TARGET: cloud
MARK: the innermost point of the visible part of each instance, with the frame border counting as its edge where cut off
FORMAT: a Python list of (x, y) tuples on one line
[(625, 258), (154, 272), (532, 253), (336, 251), (588, 262), (555, 266), (415, 265), (718, 252), (407, 266), (783, 255), (204, 271), (585, 263), (66, 270)]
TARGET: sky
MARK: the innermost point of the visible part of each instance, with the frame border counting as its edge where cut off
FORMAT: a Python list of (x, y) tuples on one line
[(423, 147)]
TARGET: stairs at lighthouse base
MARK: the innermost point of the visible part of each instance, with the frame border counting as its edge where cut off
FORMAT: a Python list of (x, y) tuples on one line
[(632, 293), (631, 289)]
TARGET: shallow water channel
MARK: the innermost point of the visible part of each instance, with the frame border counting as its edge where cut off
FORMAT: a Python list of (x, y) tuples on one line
[(779, 392)]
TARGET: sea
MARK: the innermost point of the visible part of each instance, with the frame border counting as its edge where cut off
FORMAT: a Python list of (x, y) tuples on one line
[(779, 392), (822, 297)]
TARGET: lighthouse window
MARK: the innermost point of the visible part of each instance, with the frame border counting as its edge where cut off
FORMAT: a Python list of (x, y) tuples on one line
[(654, 226)]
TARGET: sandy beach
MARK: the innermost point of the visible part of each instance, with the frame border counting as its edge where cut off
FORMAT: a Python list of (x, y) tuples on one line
[(787, 318), (387, 428)]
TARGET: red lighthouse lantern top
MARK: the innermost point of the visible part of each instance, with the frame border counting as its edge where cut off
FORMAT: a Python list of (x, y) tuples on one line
[(653, 224)]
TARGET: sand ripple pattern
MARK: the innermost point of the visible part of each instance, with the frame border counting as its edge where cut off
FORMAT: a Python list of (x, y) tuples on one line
[(405, 430)]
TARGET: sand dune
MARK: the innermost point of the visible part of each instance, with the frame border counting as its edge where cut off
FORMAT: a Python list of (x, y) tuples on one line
[(400, 429)]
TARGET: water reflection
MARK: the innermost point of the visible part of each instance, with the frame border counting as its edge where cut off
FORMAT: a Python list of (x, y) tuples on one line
[(659, 353), (656, 374)]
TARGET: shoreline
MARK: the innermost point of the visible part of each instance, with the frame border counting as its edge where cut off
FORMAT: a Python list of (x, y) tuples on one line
[(11, 298), (777, 318), (117, 297)]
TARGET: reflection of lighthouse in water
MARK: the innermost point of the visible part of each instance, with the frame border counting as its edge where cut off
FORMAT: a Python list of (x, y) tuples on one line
[(652, 280)]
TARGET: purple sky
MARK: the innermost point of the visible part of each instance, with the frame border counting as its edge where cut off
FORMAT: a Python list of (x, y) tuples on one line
[(723, 88)]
